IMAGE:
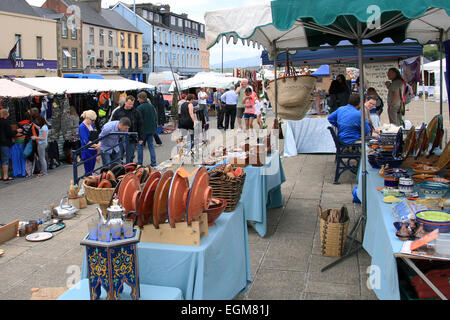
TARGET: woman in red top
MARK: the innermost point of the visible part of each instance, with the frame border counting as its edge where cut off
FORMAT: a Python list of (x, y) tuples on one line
[(249, 113)]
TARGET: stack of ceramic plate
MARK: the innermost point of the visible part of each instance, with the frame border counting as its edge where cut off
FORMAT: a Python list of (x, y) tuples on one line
[(434, 219), (434, 189)]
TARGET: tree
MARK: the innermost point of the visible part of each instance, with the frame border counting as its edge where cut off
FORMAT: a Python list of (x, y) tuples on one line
[(431, 52)]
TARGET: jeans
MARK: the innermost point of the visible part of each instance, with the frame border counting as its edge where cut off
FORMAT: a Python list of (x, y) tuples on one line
[(230, 116), (130, 151), (108, 158), (41, 153), (140, 150), (204, 107), (4, 155)]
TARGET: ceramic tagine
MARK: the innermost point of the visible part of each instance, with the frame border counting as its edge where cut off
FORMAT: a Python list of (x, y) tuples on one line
[(199, 197)]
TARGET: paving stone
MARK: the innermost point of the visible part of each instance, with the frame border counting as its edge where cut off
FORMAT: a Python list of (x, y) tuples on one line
[(345, 272), (277, 285)]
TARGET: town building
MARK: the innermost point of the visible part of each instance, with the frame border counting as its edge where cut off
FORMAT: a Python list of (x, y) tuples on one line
[(171, 41), (69, 42), (111, 46), (36, 50)]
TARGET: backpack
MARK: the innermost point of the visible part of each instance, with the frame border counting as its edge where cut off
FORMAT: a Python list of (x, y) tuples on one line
[(408, 93)]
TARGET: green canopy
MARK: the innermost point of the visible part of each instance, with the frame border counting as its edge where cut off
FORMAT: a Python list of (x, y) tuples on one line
[(327, 21)]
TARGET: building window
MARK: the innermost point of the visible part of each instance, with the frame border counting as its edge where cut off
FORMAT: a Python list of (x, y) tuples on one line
[(65, 57), (136, 41), (173, 20), (145, 14), (39, 48), (122, 40), (101, 37), (123, 59), (74, 58), (92, 60), (150, 15), (202, 28), (130, 61), (156, 17), (160, 36), (160, 58), (136, 60), (180, 23), (166, 59), (91, 35), (109, 63), (73, 31), (64, 28), (129, 41), (166, 36), (110, 38)]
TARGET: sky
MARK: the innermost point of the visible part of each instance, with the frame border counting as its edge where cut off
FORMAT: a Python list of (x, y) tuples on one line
[(195, 9)]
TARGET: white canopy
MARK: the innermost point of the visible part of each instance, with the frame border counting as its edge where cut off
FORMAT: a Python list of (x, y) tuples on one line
[(205, 80), (434, 66), (57, 85), (11, 89)]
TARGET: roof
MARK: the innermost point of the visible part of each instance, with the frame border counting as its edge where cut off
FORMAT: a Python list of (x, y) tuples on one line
[(17, 6), (106, 18), (117, 21), (47, 13)]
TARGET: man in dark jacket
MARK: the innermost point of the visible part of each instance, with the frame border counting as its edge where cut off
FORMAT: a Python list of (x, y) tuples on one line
[(128, 111), (6, 135), (148, 113)]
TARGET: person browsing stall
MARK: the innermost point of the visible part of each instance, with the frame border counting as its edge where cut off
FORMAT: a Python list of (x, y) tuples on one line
[(6, 135), (129, 111), (230, 99), (88, 133), (188, 120), (249, 113), (148, 113), (41, 141), (347, 119), (240, 91), (110, 143)]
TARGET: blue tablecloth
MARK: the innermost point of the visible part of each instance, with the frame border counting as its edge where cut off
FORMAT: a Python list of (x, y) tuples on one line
[(262, 188), (218, 269), (380, 240), (80, 291), (308, 135)]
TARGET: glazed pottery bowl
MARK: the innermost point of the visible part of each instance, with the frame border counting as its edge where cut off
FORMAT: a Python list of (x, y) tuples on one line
[(434, 189), (391, 161), (434, 217), (420, 177)]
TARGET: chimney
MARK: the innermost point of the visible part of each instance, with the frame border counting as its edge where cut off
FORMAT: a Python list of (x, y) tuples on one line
[(95, 4)]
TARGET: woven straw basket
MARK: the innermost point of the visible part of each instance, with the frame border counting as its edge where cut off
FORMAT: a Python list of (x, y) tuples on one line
[(332, 235), (294, 95), (229, 189)]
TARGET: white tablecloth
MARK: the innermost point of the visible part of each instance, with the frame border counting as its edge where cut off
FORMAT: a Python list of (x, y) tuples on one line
[(309, 135)]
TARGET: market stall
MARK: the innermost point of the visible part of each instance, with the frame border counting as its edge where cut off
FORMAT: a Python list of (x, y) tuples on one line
[(398, 196)]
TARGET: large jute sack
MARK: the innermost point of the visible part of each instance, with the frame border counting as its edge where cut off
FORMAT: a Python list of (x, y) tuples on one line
[(294, 95)]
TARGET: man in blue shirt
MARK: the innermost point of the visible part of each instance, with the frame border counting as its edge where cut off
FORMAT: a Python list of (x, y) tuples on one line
[(230, 99), (348, 120), (110, 144)]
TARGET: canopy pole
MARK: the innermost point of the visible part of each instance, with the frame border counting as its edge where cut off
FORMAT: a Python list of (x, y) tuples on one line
[(276, 82), (441, 82), (423, 90)]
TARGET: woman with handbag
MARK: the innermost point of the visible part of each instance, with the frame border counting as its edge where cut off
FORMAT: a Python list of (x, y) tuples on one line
[(41, 141), (88, 133)]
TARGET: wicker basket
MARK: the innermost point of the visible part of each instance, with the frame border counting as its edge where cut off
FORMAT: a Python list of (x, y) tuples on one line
[(98, 195), (229, 189), (332, 235)]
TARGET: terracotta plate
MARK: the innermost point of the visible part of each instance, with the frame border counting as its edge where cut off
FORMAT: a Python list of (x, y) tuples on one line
[(178, 193), (128, 189), (199, 195), (145, 206), (160, 198)]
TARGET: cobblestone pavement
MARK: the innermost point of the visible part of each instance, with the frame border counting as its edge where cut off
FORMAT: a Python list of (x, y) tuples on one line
[(285, 264)]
